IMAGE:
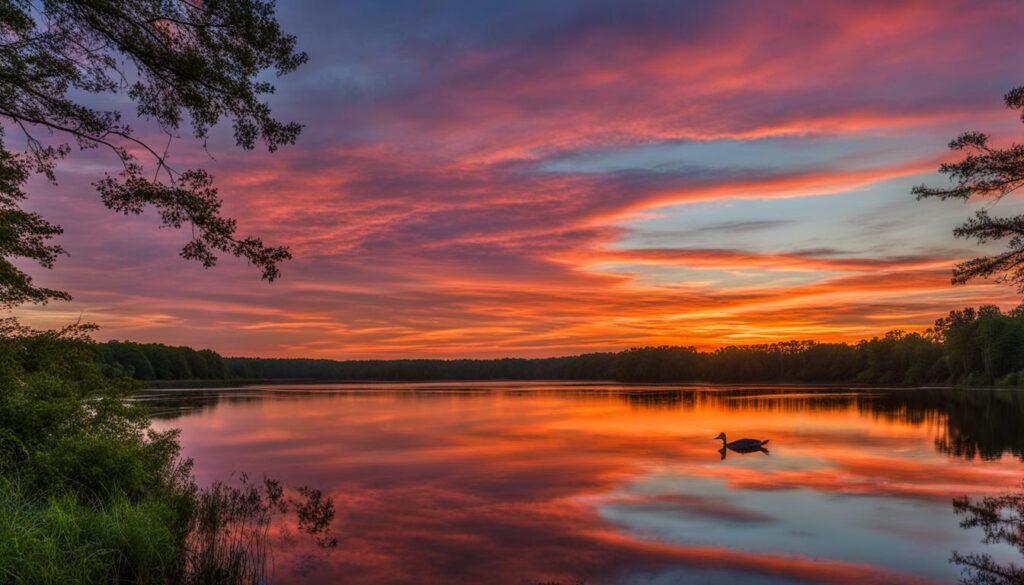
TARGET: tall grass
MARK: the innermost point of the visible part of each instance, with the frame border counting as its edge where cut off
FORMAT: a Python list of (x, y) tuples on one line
[(228, 540), (225, 540), (61, 539), (90, 494)]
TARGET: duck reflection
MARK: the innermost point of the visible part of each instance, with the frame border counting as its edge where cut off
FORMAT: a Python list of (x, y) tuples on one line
[(741, 446)]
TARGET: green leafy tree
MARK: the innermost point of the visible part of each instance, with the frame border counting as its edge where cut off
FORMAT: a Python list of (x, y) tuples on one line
[(987, 172), (176, 60)]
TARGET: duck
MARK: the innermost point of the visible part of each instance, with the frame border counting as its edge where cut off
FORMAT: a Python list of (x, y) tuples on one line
[(742, 445)]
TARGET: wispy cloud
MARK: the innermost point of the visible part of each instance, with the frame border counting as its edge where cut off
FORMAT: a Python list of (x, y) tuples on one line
[(433, 209)]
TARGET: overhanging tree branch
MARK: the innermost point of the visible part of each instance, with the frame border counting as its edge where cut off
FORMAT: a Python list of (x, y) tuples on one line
[(199, 60), (988, 173)]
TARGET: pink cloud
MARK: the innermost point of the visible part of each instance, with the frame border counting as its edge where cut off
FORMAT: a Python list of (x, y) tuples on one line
[(427, 216)]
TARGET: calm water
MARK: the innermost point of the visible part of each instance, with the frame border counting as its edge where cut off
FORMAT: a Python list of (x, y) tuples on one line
[(518, 483)]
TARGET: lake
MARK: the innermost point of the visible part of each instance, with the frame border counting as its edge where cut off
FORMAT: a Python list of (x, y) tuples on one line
[(529, 482)]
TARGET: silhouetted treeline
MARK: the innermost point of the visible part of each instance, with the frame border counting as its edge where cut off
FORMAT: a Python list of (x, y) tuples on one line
[(795, 361), (978, 347), (155, 361)]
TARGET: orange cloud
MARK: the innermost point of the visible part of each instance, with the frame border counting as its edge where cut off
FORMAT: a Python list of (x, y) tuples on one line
[(456, 208)]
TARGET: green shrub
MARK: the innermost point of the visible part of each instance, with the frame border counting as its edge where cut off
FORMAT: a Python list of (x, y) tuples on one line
[(978, 379), (89, 493), (1007, 381)]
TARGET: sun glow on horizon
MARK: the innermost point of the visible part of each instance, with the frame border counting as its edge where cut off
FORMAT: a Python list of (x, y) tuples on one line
[(573, 178)]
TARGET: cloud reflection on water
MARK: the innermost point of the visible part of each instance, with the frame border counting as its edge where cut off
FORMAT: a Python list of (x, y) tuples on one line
[(612, 483)]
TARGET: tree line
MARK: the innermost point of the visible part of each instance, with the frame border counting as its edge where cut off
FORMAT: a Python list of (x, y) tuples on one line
[(155, 361), (976, 347)]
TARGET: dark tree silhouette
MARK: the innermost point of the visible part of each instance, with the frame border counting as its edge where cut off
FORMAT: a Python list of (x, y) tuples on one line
[(176, 60), (1002, 520), (991, 173)]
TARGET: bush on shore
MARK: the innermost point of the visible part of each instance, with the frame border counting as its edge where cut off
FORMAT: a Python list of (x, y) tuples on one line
[(90, 493)]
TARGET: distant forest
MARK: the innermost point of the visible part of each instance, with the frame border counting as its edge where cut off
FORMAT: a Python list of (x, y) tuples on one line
[(975, 347)]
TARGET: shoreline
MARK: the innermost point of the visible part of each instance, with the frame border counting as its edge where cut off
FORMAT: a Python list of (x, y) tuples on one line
[(242, 383)]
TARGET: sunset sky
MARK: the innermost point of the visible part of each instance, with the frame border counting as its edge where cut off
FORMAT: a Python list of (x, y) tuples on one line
[(541, 178)]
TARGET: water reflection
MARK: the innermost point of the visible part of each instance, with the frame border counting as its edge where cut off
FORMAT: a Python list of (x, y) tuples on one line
[(520, 483), (972, 423), (742, 451), (1001, 519)]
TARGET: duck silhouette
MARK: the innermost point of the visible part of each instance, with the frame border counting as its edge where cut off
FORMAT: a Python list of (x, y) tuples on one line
[(742, 446)]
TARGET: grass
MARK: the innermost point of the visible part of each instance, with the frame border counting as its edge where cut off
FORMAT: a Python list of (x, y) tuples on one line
[(63, 540), (90, 494)]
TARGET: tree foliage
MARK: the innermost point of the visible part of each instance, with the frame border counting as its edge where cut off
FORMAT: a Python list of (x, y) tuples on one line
[(155, 361), (22, 235), (895, 359), (91, 493), (977, 347), (987, 172), (180, 62)]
